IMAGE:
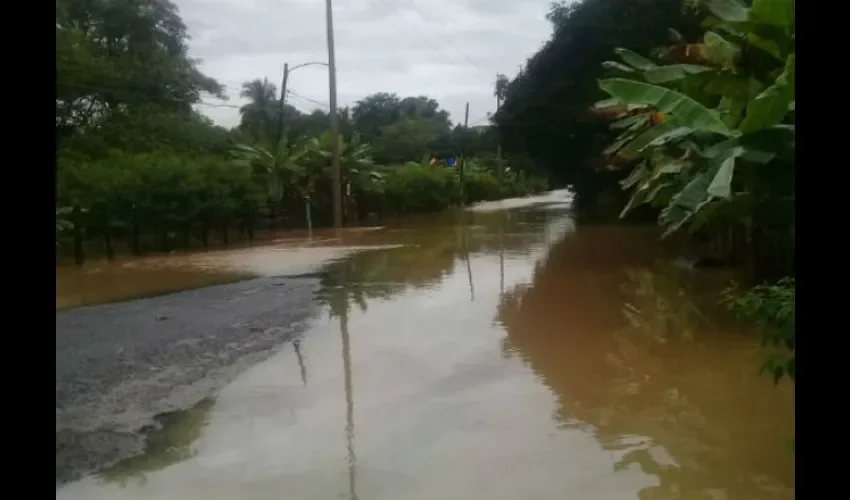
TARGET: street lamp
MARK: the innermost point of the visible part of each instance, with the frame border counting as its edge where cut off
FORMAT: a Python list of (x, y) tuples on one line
[(286, 71)]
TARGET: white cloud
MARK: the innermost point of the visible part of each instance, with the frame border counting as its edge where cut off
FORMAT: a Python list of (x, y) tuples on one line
[(449, 50)]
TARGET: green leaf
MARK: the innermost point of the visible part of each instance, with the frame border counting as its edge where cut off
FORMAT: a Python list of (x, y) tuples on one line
[(636, 175), (696, 191), (619, 143), (614, 65), (634, 60), (774, 12), (670, 135), (632, 121), (650, 183), (766, 45), (607, 103), (642, 141), (729, 10), (730, 110), (721, 185), (757, 147), (672, 72), (771, 106), (689, 112), (720, 50)]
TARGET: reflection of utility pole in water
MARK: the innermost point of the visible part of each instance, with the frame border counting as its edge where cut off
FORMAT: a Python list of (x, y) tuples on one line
[(297, 345), (349, 403), (468, 264), (349, 391), (502, 256)]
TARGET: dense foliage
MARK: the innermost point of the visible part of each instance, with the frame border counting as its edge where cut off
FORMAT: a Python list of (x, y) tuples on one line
[(139, 169), (707, 133), (544, 112)]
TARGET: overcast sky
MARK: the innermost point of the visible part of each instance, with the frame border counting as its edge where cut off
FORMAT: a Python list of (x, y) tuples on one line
[(449, 50)]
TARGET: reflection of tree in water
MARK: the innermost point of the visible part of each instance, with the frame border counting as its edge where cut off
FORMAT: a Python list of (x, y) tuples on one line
[(428, 256), (628, 348), (426, 260), (167, 445)]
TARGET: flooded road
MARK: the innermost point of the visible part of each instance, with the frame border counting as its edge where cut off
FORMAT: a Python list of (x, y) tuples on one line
[(497, 353)]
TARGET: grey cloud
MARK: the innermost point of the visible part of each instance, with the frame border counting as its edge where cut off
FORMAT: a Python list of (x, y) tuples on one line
[(450, 50)]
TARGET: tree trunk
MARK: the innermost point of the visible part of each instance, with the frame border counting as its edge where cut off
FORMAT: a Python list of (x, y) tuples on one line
[(205, 235), (308, 215), (225, 235)]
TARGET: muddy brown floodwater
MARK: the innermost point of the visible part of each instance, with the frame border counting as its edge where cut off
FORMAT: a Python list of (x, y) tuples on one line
[(497, 353)]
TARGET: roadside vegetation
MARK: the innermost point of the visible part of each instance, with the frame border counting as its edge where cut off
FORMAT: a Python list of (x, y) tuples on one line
[(681, 111), (141, 169)]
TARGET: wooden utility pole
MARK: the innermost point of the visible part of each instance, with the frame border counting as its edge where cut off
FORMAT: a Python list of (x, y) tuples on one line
[(498, 139), (282, 102), (462, 165), (336, 185)]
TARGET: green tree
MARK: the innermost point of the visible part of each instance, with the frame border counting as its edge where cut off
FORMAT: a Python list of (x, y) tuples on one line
[(544, 114), (120, 55)]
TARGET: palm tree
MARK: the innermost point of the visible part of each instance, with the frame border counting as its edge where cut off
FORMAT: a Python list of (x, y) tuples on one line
[(356, 165), (257, 115), (500, 91)]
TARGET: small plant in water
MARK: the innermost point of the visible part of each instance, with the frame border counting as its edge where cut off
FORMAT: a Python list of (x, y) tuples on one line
[(771, 309)]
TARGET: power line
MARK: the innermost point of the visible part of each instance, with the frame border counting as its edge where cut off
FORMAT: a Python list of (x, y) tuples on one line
[(412, 5), (303, 98), (218, 105)]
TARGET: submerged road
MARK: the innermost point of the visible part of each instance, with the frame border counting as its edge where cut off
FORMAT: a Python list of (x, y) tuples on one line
[(497, 353), (120, 366)]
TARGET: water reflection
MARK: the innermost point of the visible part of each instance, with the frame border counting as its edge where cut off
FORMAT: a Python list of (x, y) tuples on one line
[(296, 345), (627, 346), (494, 355), (339, 295), (172, 442)]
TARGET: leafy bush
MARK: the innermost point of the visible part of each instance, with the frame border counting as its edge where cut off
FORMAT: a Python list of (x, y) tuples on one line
[(482, 186), (771, 309), (161, 192), (417, 189)]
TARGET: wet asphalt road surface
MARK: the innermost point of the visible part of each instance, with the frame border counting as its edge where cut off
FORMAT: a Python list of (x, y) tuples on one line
[(120, 365)]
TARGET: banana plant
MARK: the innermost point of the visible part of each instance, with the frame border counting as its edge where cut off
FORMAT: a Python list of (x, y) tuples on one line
[(280, 167), (357, 167), (686, 127)]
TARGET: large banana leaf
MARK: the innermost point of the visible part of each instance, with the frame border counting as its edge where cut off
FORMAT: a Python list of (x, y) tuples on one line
[(673, 72), (689, 112), (773, 12), (655, 136), (721, 51), (733, 11), (650, 182), (614, 65), (771, 106), (634, 59), (721, 184)]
